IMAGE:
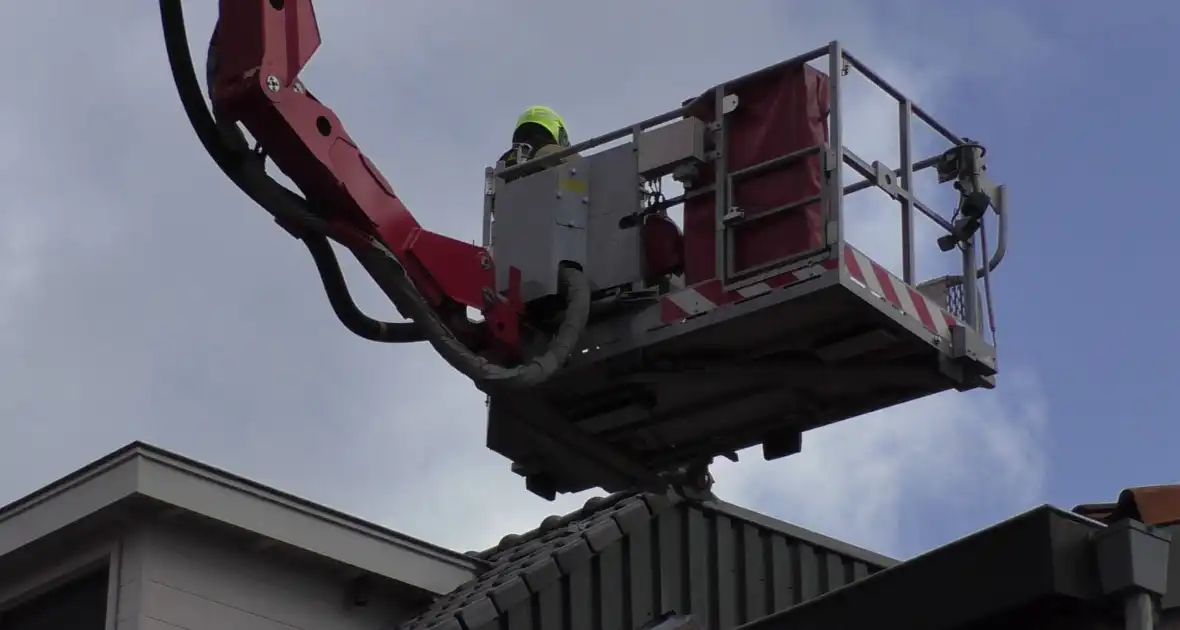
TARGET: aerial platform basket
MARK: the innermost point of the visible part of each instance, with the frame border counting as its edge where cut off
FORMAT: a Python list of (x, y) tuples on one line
[(755, 322)]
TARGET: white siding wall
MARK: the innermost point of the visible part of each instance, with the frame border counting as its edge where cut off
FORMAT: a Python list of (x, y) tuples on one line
[(177, 576)]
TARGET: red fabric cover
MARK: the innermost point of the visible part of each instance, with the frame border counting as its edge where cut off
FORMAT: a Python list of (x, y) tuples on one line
[(778, 113)]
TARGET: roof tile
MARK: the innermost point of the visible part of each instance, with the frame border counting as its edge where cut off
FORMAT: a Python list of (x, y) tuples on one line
[(572, 555), (478, 612), (523, 564), (602, 534), (510, 593), (1153, 505), (540, 574), (632, 516)]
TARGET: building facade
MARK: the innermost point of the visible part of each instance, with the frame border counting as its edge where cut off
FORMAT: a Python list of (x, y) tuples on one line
[(144, 539)]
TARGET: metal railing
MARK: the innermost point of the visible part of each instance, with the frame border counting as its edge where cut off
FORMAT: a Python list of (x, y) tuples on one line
[(961, 290), (898, 183)]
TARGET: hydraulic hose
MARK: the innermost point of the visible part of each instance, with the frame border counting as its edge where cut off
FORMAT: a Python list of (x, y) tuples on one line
[(247, 170), (488, 375), (229, 150), (336, 287)]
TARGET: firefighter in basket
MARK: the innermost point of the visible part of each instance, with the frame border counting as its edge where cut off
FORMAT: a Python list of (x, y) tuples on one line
[(539, 132)]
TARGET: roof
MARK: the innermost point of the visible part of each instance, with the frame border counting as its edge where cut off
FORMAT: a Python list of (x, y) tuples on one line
[(141, 471), (1158, 506), (1023, 572), (529, 564), (1152, 505)]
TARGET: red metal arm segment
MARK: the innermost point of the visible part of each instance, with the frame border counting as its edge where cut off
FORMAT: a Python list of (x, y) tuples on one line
[(262, 45)]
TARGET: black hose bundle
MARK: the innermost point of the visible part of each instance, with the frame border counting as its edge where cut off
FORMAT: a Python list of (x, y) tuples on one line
[(345, 308), (246, 168)]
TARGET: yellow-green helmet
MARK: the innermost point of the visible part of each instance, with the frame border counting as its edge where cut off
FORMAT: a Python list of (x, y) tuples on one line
[(550, 120)]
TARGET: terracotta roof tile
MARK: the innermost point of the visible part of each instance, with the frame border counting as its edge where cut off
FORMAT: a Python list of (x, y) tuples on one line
[(1153, 505)]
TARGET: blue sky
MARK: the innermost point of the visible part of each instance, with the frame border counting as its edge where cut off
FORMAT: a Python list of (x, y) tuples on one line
[(1088, 146), (145, 298)]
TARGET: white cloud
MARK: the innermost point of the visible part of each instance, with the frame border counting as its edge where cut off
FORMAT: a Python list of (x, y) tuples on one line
[(867, 479), (152, 301)]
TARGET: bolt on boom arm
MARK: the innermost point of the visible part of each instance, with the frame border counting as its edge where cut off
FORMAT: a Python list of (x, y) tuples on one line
[(261, 51), (257, 51)]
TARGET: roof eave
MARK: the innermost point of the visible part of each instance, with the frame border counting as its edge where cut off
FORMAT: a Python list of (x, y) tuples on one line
[(140, 469)]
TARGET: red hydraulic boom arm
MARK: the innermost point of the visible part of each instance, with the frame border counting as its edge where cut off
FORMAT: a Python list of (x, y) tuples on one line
[(794, 342), (260, 47)]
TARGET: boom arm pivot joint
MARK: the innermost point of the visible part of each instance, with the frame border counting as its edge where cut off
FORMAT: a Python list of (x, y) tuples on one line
[(262, 45)]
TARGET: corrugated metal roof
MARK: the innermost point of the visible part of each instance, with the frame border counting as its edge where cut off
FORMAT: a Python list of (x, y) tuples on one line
[(1153, 505), (623, 560)]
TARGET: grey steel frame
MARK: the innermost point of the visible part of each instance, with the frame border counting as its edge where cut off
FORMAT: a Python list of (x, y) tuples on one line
[(897, 183), (617, 337)]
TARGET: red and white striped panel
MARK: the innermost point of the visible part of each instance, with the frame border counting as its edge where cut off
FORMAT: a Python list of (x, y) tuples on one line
[(708, 295), (902, 296)]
